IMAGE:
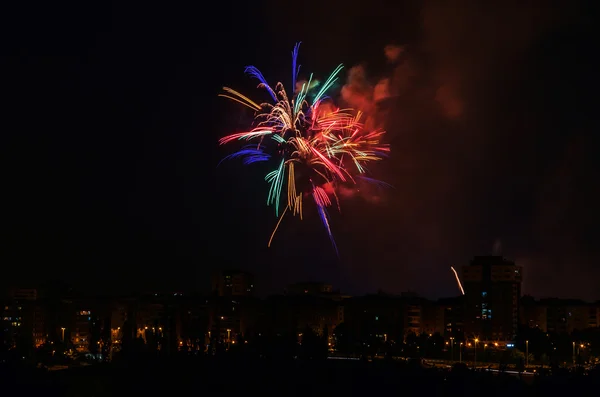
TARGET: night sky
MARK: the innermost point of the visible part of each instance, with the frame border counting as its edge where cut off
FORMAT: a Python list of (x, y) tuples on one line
[(111, 119)]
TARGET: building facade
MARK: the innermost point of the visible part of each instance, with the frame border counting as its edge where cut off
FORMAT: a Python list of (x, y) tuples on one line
[(492, 291), (232, 283)]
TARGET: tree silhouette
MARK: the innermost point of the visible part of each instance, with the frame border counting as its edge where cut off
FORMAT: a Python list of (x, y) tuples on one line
[(591, 336), (435, 346), (411, 344), (325, 340), (342, 338), (130, 344), (423, 344), (195, 331), (313, 346), (24, 342), (539, 341), (95, 336)]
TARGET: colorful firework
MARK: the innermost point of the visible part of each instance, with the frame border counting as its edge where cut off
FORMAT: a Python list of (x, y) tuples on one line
[(316, 146)]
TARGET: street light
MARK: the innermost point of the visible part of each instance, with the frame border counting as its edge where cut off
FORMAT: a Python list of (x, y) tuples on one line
[(63, 337), (573, 353), (452, 349), (526, 354), (475, 351), (485, 345), (460, 353)]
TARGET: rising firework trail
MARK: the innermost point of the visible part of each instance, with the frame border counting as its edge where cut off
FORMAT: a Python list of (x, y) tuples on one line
[(458, 280), (314, 146)]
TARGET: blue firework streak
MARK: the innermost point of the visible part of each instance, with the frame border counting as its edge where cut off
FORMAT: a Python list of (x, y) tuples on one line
[(249, 154), (325, 219)]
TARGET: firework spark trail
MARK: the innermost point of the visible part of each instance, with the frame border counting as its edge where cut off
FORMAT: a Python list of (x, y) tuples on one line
[(317, 147), (295, 69), (375, 182), (325, 220), (250, 154), (259, 132), (458, 280)]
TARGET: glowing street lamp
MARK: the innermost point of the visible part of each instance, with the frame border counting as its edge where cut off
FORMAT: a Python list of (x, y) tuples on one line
[(63, 335), (475, 351)]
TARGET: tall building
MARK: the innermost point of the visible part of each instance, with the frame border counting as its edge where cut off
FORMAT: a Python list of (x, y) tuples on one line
[(432, 318), (492, 291), (453, 316), (233, 283), (21, 319)]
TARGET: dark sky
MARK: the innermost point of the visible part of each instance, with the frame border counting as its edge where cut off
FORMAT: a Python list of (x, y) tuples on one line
[(111, 120)]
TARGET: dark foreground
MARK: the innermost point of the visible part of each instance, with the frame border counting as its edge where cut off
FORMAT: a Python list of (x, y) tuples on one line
[(291, 378)]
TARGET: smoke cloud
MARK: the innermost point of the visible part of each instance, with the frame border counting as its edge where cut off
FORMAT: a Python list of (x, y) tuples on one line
[(478, 127), (358, 92)]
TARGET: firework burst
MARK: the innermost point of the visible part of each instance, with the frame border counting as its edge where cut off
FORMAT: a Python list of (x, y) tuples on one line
[(315, 146)]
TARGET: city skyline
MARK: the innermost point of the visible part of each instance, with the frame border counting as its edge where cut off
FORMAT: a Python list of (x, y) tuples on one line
[(248, 284), (110, 163), (491, 312)]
